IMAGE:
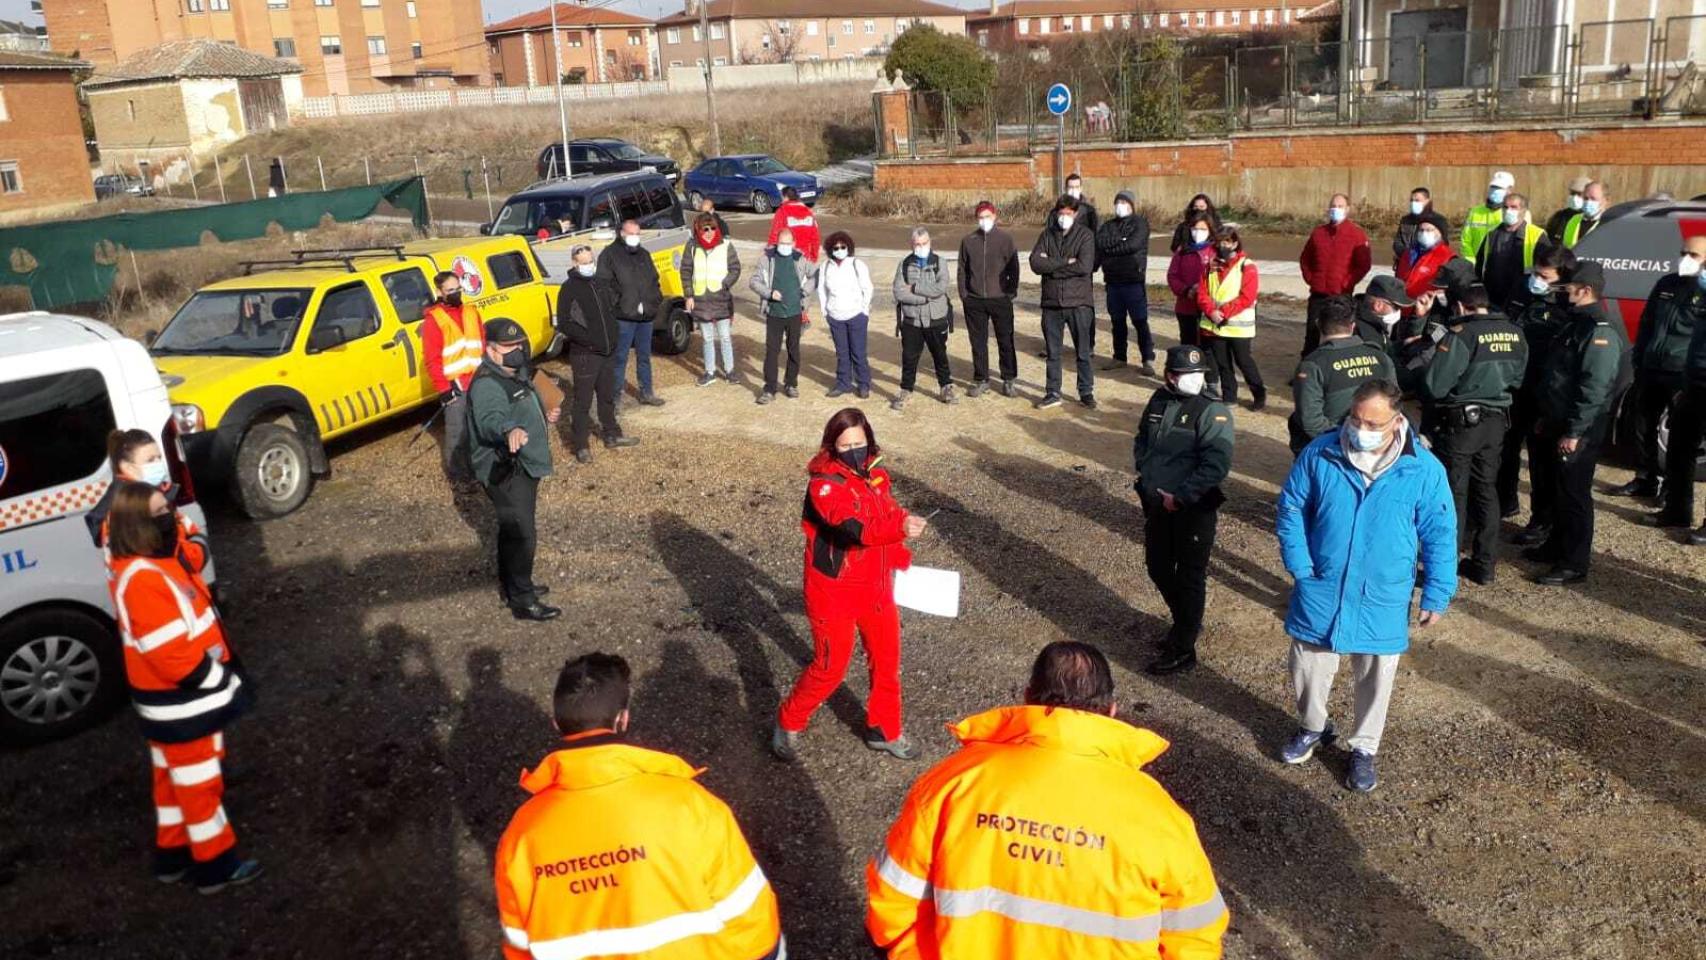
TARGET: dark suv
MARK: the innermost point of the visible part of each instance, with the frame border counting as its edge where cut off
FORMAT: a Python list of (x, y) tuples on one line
[(603, 155), (589, 202)]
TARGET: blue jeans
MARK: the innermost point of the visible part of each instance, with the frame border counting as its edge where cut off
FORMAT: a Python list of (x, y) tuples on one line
[(1130, 299), (637, 337), (716, 332), (851, 367)]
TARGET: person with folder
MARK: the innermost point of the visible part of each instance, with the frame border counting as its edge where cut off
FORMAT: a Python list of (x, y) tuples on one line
[(856, 537)]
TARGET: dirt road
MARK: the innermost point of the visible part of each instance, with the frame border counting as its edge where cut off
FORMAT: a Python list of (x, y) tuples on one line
[(1542, 775)]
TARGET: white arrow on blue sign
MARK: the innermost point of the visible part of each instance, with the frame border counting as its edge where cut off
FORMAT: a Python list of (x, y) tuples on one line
[(1059, 99)]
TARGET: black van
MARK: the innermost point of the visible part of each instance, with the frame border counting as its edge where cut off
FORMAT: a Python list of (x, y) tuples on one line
[(569, 204)]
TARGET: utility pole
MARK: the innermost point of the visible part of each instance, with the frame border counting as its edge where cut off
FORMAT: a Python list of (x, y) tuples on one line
[(562, 108), (710, 88)]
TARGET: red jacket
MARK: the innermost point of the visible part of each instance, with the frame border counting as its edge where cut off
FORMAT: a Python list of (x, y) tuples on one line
[(1418, 272), (1246, 287), (854, 539), (796, 216), (1335, 259), (432, 345)]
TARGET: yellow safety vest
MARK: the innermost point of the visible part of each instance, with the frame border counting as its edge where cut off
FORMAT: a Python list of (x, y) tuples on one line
[(1573, 231), (708, 272), (1481, 221), (1531, 235), (1241, 324), (461, 352)]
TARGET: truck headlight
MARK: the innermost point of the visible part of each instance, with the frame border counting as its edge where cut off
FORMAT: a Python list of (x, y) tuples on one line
[(187, 418)]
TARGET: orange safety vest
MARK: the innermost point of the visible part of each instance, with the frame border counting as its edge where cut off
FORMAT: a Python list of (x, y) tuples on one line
[(1043, 837), (176, 657), (621, 853), (462, 346)]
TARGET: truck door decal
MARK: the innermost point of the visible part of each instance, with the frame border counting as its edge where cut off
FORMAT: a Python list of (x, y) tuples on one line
[(408, 345)]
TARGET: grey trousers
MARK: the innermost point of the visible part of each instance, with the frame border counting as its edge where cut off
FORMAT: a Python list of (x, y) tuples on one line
[(1372, 675), (454, 447)]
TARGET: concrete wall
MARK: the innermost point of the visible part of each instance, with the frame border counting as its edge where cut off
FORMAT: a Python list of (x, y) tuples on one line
[(44, 136), (690, 78), (1295, 173)]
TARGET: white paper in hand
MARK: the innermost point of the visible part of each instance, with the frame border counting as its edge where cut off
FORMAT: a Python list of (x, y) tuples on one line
[(928, 590)]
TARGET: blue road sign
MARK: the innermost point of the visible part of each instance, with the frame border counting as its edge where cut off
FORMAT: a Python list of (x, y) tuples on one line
[(1059, 99)]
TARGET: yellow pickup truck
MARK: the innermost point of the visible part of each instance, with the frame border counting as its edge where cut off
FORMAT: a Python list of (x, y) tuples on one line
[(264, 368)]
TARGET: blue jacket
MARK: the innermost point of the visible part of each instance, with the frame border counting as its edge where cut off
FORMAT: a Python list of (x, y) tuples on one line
[(1351, 546)]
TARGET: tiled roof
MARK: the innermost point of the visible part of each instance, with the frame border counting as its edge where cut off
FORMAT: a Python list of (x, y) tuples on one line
[(568, 15), (1073, 8), (178, 59), (26, 60), (814, 9)]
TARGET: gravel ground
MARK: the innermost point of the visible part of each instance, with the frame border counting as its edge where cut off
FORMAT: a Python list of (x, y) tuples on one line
[(1542, 772)]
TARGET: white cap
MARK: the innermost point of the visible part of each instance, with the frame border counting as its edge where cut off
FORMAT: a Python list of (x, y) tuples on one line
[(1502, 179)]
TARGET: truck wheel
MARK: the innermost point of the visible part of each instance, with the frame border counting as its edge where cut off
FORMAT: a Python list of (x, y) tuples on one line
[(675, 334), (760, 202), (60, 671), (1664, 444), (694, 198), (273, 477)]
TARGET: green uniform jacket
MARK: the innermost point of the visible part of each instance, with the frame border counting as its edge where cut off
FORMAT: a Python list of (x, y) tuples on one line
[(1327, 379), (1540, 319), (1183, 446), (1480, 361), (1585, 369), (1675, 310), (497, 404)]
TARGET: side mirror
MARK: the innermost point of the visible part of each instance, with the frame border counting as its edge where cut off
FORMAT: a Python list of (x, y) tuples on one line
[(485, 229), (321, 339), (149, 336)]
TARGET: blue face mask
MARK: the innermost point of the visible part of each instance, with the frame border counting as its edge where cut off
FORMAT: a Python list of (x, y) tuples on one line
[(1366, 441), (1700, 279), (1538, 286), (155, 473), (1495, 196), (1335, 214), (1590, 208)]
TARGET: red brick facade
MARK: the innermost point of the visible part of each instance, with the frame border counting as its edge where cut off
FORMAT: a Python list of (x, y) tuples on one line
[(43, 135)]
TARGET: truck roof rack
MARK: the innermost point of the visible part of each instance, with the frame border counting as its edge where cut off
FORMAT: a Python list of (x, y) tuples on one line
[(320, 257)]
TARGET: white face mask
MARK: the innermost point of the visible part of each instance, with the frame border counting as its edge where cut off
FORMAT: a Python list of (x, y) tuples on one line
[(1064, 221), (1687, 267), (1075, 192), (1390, 320), (586, 269), (631, 239), (1427, 239), (1575, 201), (1417, 206), (1122, 209), (1335, 214), (784, 249), (921, 251), (1190, 384), (986, 224), (839, 253), (1199, 236)]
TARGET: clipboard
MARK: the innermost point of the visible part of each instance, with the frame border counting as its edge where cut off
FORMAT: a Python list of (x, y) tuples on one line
[(550, 395)]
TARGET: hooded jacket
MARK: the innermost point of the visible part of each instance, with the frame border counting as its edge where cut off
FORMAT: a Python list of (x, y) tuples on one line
[(620, 852), (1043, 837), (635, 276), (586, 314), (1066, 260), (855, 539), (1122, 244)]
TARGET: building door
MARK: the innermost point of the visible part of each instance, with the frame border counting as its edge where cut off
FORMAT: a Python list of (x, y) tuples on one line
[(1441, 33)]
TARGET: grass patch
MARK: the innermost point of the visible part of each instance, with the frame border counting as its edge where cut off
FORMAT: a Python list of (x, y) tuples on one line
[(903, 206)]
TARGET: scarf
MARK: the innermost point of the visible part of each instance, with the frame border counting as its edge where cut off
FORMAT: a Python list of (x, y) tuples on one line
[(1375, 462)]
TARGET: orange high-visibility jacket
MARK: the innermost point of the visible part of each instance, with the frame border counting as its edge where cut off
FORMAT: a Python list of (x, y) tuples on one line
[(621, 853), (1042, 837), (176, 657), (450, 350)]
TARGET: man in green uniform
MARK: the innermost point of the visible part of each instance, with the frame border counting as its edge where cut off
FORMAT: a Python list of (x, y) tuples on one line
[(1325, 381), (1182, 451), (1585, 370), (511, 453), (1540, 310), (1467, 390)]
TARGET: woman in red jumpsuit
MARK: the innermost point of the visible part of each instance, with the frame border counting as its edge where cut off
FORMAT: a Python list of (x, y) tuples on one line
[(855, 541)]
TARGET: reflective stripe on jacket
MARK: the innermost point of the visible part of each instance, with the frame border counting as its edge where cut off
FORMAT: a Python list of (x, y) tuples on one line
[(1043, 837), (1230, 286), (620, 853), (458, 348), (176, 658)]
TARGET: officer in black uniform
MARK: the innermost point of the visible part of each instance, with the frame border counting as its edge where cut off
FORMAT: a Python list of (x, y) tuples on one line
[(1674, 308), (1467, 392), (1688, 425), (1182, 452), (1583, 374), (1540, 310), (510, 448), (1325, 381)]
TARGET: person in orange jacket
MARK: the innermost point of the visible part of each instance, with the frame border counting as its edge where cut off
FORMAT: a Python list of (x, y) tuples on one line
[(135, 455), (619, 852), (453, 339), (184, 684), (1043, 837)]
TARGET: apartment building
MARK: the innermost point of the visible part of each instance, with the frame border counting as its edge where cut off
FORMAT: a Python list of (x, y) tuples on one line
[(343, 46), (596, 44), (1033, 22), (44, 166), (776, 31)]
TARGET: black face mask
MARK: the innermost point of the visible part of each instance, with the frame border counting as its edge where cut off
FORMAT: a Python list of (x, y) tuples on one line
[(854, 458), (516, 359), (166, 525), (1227, 253), (453, 299)]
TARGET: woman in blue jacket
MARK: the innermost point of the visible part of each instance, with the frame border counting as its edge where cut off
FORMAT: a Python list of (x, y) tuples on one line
[(1360, 505)]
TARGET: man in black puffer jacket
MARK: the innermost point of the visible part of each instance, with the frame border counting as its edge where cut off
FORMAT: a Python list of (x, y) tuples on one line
[(628, 266), (586, 317), (1065, 257), (1122, 253)]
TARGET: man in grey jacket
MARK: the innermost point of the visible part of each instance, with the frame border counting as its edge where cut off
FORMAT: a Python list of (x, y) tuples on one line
[(1065, 257), (784, 281), (924, 315)]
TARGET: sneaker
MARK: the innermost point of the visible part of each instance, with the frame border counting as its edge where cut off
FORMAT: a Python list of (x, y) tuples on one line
[(1148, 368), (949, 396), (1361, 776), (899, 400), (732, 377), (1114, 364), (583, 455), (836, 392), (244, 872), (977, 388), (1009, 388), (1088, 401), (900, 747), (792, 393), (764, 398), (1303, 744), (864, 393), (617, 442), (1049, 401), (650, 400), (172, 864), (784, 744), (707, 379)]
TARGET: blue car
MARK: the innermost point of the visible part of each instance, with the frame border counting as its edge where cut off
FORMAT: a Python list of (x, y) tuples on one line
[(750, 180)]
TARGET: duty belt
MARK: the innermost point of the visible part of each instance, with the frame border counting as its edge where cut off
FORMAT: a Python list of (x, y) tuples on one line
[(1462, 416)]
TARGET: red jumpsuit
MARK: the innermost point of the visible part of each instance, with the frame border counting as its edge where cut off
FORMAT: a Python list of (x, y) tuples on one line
[(854, 544)]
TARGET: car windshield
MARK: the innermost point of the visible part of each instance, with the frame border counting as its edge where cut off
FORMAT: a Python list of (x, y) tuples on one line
[(764, 166), (626, 151), (556, 214), (259, 323)]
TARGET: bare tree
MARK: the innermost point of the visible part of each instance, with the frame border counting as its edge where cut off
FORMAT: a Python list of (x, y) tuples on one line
[(779, 42)]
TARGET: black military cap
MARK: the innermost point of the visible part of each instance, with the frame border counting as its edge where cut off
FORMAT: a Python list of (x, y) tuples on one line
[(1454, 276), (504, 330), (1391, 289), (1589, 274), (1186, 358)]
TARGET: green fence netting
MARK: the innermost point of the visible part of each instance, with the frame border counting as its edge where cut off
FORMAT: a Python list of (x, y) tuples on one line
[(74, 261)]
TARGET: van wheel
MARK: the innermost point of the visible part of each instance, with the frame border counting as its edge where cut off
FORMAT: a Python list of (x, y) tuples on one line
[(694, 198), (60, 672), (273, 477), (760, 202), (676, 332)]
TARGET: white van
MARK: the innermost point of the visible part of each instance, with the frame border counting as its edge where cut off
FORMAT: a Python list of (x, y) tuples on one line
[(65, 383)]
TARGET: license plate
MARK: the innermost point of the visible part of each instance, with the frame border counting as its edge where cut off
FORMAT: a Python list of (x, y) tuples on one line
[(808, 193)]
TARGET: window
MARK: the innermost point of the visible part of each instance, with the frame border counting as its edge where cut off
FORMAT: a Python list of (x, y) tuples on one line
[(574, 40), (783, 26), (697, 36), (982, 38), (219, 4), (192, 6), (1162, 20), (719, 61), (1108, 21), (634, 39), (376, 46), (764, 41), (672, 35), (278, 4), (10, 182), (410, 7), (1287, 15), (662, 201), (1065, 24), (370, 3), (1084, 24), (1237, 17), (829, 40), (130, 108), (1024, 26), (811, 28), (718, 32), (415, 50), (349, 309), (53, 429), (870, 27), (409, 292), (1043, 24), (4, 113), (675, 63), (284, 47), (1202, 18), (847, 27), (1267, 16), (698, 62), (322, 3), (331, 46)]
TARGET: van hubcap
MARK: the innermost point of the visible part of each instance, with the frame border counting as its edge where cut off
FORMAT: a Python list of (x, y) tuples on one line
[(279, 472), (49, 679)]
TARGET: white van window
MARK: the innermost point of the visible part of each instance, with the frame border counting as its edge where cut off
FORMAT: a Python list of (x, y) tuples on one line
[(259, 323), (53, 430)]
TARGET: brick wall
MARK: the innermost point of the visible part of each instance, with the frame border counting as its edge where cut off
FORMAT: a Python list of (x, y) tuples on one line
[(139, 117), (44, 135), (1295, 172)]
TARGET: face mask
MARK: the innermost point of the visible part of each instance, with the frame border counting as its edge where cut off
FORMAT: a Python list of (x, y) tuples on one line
[(986, 224), (631, 239), (710, 238), (1122, 209), (1590, 208), (516, 359), (1065, 223), (1199, 237), (1575, 201), (1538, 286), (784, 249), (1199, 210), (588, 270), (1389, 320), (1190, 384), (1366, 441), (1075, 192), (1227, 253), (1427, 239), (853, 457), (167, 526), (922, 251), (1512, 217), (1495, 196), (1700, 280), (155, 473), (839, 253), (1687, 267), (453, 298), (1335, 214), (1417, 206)]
